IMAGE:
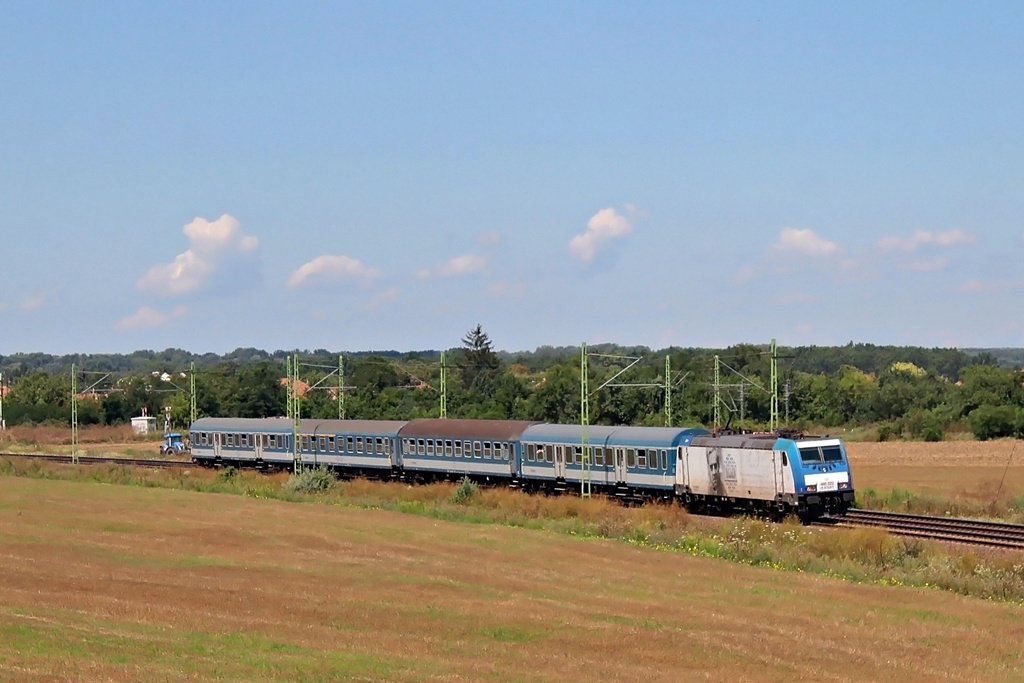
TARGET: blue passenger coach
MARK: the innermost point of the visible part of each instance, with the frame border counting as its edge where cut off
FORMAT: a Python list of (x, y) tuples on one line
[(622, 459)]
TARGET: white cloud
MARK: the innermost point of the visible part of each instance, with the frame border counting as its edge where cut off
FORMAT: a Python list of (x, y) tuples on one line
[(794, 298), (30, 303), (805, 241), (466, 264), (210, 245), (332, 269), (147, 318), (922, 238), (506, 289), (389, 294), (979, 287), (603, 226), (925, 266)]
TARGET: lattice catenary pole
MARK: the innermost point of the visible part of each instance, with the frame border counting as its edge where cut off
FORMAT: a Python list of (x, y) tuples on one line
[(668, 390), (718, 398), (193, 414), (74, 416), (585, 472), (774, 420), (444, 387)]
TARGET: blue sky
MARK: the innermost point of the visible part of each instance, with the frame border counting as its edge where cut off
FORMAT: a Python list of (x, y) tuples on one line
[(387, 175)]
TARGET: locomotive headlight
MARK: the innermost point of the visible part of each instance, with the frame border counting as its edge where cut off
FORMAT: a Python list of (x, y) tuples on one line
[(844, 485), (811, 488)]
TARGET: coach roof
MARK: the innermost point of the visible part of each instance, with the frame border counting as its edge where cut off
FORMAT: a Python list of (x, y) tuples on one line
[(600, 434), (504, 430)]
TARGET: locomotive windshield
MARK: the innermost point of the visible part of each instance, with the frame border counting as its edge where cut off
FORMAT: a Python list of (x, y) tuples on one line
[(832, 453), (812, 454)]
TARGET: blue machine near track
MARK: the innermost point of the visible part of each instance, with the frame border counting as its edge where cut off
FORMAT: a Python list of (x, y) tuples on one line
[(765, 473)]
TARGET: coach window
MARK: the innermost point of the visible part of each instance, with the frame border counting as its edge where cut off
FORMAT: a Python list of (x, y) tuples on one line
[(458, 449), (641, 458), (599, 456), (664, 460), (504, 451), (421, 447), (430, 446), (630, 457), (487, 449), (478, 450), (350, 444), (549, 452), (448, 450)]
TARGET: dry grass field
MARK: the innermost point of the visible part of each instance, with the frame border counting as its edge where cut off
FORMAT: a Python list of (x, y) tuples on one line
[(128, 583), (93, 440), (947, 469)]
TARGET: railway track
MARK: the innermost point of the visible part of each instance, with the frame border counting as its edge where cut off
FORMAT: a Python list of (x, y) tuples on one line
[(99, 460), (997, 534)]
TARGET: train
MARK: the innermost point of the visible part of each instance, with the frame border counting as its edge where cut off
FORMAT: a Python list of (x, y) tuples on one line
[(776, 474)]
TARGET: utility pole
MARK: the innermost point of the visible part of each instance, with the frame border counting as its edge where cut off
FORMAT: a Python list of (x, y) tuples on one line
[(2, 424), (743, 399), (788, 390), (341, 388)]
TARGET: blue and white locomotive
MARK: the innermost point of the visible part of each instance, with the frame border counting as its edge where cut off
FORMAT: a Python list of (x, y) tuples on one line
[(726, 473)]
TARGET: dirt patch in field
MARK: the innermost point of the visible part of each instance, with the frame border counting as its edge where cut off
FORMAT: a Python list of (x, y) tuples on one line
[(119, 583)]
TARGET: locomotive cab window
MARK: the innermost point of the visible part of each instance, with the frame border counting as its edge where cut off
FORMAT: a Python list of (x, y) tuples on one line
[(832, 453), (810, 456)]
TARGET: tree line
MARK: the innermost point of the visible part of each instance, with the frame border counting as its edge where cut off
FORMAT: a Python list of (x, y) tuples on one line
[(894, 391)]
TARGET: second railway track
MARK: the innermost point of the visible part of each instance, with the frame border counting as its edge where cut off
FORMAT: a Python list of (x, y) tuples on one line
[(959, 530), (99, 460)]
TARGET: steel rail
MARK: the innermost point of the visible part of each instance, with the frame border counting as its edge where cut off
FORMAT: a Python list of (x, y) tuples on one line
[(98, 460), (956, 529)]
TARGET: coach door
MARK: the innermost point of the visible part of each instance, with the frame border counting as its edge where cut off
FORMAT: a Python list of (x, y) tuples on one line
[(217, 442), (620, 464), (559, 461)]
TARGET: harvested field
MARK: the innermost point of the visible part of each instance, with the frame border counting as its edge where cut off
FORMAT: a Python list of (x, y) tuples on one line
[(92, 440), (949, 469), (123, 583)]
